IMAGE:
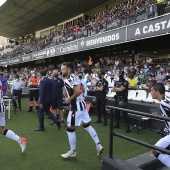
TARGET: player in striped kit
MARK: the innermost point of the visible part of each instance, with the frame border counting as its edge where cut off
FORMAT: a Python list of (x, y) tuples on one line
[(78, 114), (8, 133), (158, 92)]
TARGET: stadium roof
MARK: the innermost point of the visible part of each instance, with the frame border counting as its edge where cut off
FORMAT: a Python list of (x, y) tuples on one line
[(22, 17)]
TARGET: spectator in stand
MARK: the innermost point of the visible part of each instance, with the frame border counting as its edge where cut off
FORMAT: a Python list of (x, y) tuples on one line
[(167, 79), (149, 61), (151, 80), (142, 78), (132, 81), (151, 71), (161, 7), (146, 68), (90, 62), (161, 77)]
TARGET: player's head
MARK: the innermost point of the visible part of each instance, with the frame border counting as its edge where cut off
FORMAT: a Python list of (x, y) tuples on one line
[(67, 68), (157, 91)]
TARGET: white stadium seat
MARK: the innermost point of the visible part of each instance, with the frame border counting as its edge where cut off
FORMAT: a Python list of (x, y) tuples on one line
[(149, 99), (131, 94), (141, 95), (110, 94)]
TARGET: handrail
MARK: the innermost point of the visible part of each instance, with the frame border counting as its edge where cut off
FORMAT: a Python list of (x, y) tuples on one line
[(112, 133)]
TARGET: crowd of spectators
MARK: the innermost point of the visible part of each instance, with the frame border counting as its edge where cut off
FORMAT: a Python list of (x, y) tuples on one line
[(139, 74), (99, 23)]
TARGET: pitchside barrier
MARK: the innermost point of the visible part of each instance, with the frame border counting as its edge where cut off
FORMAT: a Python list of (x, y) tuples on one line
[(113, 163)]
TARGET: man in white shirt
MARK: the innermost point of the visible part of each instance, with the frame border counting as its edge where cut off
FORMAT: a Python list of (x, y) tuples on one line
[(16, 91)]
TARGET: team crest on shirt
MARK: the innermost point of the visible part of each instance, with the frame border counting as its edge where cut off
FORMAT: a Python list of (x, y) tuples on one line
[(125, 83)]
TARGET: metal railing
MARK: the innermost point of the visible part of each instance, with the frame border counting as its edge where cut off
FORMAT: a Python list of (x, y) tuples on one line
[(112, 133)]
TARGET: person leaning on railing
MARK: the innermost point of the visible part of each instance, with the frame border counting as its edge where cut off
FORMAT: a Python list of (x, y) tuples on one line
[(158, 92), (161, 7)]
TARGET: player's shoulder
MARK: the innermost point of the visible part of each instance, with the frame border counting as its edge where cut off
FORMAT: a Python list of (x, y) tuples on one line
[(166, 99), (72, 77)]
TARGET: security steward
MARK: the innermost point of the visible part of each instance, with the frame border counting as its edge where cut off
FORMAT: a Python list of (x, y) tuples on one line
[(101, 91), (121, 100), (33, 90), (161, 7)]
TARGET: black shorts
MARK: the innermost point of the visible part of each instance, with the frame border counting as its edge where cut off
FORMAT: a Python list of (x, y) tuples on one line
[(57, 103)]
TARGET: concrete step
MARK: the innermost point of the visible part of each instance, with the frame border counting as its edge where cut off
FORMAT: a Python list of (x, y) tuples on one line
[(146, 161), (164, 168)]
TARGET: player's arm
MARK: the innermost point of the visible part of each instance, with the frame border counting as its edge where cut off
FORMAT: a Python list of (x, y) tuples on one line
[(77, 92)]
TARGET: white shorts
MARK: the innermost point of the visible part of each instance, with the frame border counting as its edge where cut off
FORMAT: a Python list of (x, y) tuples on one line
[(76, 118), (2, 114), (163, 142)]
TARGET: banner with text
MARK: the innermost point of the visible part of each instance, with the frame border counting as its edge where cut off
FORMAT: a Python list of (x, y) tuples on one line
[(4, 62), (26, 58), (153, 27), (70, 47), (15, 60), (41, 54), (101, 40)]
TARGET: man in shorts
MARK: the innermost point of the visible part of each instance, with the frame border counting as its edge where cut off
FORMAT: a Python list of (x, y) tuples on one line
[(9, 133), (57, 101), (158, 92), (78, 113)]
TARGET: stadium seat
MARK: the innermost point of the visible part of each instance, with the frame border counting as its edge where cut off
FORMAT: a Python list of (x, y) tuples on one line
[(149, 99), (166, 87), (167, 93), (141, 94), (110, 94), (131, 94)]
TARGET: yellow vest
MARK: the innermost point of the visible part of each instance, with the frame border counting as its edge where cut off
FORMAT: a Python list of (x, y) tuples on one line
[(160, 1)]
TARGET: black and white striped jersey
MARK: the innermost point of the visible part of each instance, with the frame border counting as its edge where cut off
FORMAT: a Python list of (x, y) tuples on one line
[(1, 93), (70, 83), (165, 109)]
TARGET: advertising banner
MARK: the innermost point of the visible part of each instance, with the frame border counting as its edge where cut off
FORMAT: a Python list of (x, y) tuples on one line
[(101, 40), (153, 27), (67, 48), (41, 54)]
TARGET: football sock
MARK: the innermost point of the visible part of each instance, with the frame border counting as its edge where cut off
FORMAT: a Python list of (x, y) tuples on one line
[(93, 134), (10, 134), (72, 140)]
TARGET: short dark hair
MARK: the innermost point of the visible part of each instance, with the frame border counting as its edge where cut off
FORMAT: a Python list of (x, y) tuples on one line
[(69, 65), (43, 72), (159, 87)]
